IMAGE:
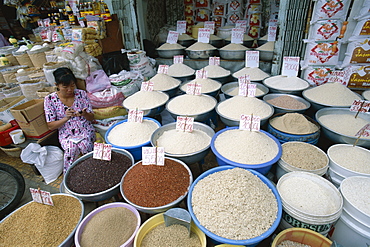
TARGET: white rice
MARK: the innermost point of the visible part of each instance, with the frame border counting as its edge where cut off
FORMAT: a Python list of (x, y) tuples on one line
[(208, 85), (269, 46), (168, 46), (334, 94), (144, 100), (163, 82), (351, 157), (199, 46), (286, 83), (185, 36), (234, 47), (179, 70), (183, 142), (215, 71), (356, 191), (214, 37), (191, 104), (132, 133), (234, 107), (246, 147), (235, 91), (256, 74)]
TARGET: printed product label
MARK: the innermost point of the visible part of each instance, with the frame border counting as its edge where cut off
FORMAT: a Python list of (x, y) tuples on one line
[(330, 8), (322, 229)]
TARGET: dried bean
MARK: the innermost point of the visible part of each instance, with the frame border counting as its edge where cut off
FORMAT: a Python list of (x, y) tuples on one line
[(287, 102), (154, 186)]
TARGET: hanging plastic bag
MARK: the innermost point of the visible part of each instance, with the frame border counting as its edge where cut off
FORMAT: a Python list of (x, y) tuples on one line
[(97, 81), (48, 160), (108, 97)]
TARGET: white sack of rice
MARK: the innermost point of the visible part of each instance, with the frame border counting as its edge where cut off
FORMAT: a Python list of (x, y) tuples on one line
[(208, 85), (189, 105), (163, 82), (256, 74), (144, 100)]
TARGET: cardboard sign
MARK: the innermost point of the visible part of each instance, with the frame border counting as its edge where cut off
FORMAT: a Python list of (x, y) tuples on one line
[(290, 66), (204, 35), (241, 24), (178, 59), (364, 131), (250, 122), (41, 196), (193, 89), (147, 86), (153, 156), (185, 124), (135, 116), (360, 106), (252, 59), (210, 25), (163, 69), (237, 35), (214, 61), (181, 27), (172, 37), (271, 33)]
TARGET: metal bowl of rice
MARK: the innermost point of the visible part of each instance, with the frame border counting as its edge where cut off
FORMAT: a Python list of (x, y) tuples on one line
[(170, 53), (148, 111), (303, 104), (232, 54), (232, 88), (189, 158), (205, 54)]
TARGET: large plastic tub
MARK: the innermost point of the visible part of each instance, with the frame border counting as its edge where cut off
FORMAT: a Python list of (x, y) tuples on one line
[(303, 236)]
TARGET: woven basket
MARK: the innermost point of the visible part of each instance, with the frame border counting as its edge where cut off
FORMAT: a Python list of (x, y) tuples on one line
[(12, 151)]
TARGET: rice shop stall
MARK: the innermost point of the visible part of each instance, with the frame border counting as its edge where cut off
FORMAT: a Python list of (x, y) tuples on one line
[(238, 123)]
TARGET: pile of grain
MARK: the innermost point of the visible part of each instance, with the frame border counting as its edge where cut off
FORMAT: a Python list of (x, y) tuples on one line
[(286, 83), (168, 46), (129, 134), (183, 142), (366, 94), (163, 82), (144, 100), (269, 46), (256, 74), (344, 124), (234, 204), (214, 37), (208, 85), (234, 47), (294, 123), (304, 156), (351, 157), (215, 71), (180, 70), (191, 104), (235, 91), (199, 46), (289, 243), (246, 147), (287, 102), (245, 38), (234, 107), (334, 94), (356, 191), (185, 36)]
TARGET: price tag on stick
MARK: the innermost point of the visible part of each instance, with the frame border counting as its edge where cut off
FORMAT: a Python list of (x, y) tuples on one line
[(41, 196), (337, 76), (241, 24), (178, 59), (147, 86), (193, 89), (201, 74), (364, 131), (181, 27), (360, 106), (153, 156), (185, 124), (172, 37), (98, 150), (163, 69), (237, 35), (210, 25), (135, 116), (214, 61), (107, 152), (252, 59), (271, 33), (204, 35), (250, 122), (290, 66)]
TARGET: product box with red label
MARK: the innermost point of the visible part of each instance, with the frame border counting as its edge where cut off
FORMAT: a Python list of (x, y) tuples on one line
[(31, 118)]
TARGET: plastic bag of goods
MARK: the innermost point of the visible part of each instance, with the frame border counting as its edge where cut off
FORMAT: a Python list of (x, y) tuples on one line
[(321, 53), (317, 75), (358, 52), (330, 9), (50, 67), (72, 50), (140, 62), (109, 112), (128, 81), (108, 97), (30, 88), (102, 125), (325, 30)]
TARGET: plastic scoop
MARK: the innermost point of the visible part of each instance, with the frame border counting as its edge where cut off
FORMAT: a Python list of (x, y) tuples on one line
[(177, 216)]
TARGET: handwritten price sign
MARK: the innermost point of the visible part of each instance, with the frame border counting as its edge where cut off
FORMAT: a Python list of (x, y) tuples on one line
[(337, 76), (247, 90), (41, 196), (181, 27), (153, 156), (214, 61), (102, 151), (237, 35), (201, 74), (163, 69), (360, 106), (193, 89), (241, 24), (364, 131), (290, 66), (147, 86), (107, 152), (185, 124), (271, 33), (172, 37), (135, 116), (204, 35), (210, 25), (252, 59), (250, 122), (178, 59)]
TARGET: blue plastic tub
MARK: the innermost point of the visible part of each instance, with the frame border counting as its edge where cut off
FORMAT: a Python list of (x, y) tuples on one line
[(220, 240), (263, 168), (134, 150)]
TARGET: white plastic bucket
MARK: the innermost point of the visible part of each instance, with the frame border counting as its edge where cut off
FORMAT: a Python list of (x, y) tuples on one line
[(334, 177), (296, 217)]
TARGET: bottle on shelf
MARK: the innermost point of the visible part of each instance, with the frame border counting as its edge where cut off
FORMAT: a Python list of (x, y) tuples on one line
[(104, 11), (96, 7), (13, 41), (72, 19), (3, 60)]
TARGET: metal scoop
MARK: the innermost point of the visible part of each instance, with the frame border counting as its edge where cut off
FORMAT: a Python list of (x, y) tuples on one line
[(177, 216)]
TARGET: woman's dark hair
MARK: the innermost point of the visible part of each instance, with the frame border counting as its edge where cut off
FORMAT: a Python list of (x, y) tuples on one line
[(64, 76)]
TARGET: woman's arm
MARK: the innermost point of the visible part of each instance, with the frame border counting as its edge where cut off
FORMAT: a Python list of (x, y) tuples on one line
[(59, 123), (88, 115)]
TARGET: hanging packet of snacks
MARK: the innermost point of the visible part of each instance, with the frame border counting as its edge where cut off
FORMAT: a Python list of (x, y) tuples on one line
[(330, 9), (358, 52), (67, 33), (317, 75), (234, 12), (357, 76), (321, 53), (364, 11), (361, 30), (325, 30), (253, 14), (202, 10)]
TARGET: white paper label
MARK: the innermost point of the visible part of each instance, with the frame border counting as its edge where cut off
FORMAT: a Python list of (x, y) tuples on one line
[(360, 106), (364, 131), (147, 86), (204, 35), (153, 156), (41, 196), (290, 66), (185, 124), (135, 116), (107, 152), (273, 23), (338, 77), (237, 35), (201, 74), (271, 33), (181, 27), (163, 69), (193, 89), (241, 24), (210, 25), (250, 122), (214, 61), (178, 59), (252, 59), (98, 150), (172, 37)]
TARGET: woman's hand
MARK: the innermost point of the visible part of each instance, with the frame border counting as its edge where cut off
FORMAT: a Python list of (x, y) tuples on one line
[(70, 113)]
